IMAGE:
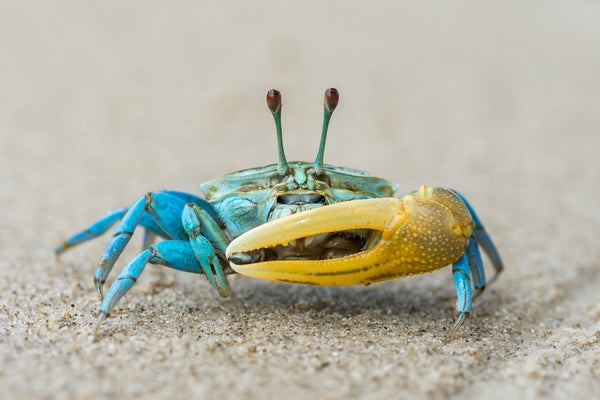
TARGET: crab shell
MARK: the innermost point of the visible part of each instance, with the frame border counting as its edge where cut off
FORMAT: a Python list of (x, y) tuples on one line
[(423, 231)]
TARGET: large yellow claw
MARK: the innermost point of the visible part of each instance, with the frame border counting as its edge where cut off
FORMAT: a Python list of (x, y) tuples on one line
[(420, 232)]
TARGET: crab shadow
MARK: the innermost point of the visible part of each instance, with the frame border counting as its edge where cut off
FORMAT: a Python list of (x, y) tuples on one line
[(432, 294)]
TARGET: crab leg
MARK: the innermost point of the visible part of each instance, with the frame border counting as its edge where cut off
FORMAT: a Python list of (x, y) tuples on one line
[(476, 266), (96, 229), (104, 223), (483, 239), (423, 231), (165, 210), (126, 228), (120, 238), (462, 282), (175, 254)]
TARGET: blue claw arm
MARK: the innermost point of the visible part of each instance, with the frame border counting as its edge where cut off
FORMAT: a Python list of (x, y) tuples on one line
[(204, 236)]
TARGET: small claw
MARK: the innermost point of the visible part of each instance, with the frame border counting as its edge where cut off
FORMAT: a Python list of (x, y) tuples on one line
[(423, 231)]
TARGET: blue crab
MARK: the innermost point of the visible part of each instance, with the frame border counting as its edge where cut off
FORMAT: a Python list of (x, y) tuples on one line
[(300, 222)]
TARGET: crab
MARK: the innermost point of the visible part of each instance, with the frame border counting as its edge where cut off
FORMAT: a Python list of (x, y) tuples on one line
[(301, 222)]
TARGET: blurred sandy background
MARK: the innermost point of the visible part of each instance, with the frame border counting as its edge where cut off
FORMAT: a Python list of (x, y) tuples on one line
[(101, 102)]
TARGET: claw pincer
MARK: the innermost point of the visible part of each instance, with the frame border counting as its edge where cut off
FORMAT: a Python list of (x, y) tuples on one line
[(421, 232)]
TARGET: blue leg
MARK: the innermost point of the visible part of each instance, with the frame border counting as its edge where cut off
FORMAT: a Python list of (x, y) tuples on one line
[(119, 240), (171, 253), (151, 228), (483, 239), (205, 236), (462, 281), (476, 267), (149, 238), (92, 231), (166, 211), (199, 201), (103, 224)]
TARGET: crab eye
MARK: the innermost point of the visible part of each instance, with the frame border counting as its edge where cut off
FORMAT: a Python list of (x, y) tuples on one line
[(332, 97), (274, 100)]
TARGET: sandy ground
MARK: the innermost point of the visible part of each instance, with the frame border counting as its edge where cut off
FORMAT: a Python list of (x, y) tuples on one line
[(101, 102)]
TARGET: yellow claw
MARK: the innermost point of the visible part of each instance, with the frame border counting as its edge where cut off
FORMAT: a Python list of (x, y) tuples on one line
[(420, 232)]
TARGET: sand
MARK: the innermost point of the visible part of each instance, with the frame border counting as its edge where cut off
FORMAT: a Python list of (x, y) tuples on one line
[(101, 102)]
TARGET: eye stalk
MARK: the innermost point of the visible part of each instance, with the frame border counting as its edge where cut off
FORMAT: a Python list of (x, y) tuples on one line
[(332, 97), (274, 104)]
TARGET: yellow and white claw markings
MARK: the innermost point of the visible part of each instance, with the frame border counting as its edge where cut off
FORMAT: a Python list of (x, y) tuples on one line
[(423, 231)]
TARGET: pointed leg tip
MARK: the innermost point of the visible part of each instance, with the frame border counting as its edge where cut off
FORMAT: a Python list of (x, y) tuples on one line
[(478, 292), (449, 337), (494, 278), (224, 292), (99, 288), (101, 318), (223, 287), (462, 317), (58, 250)]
